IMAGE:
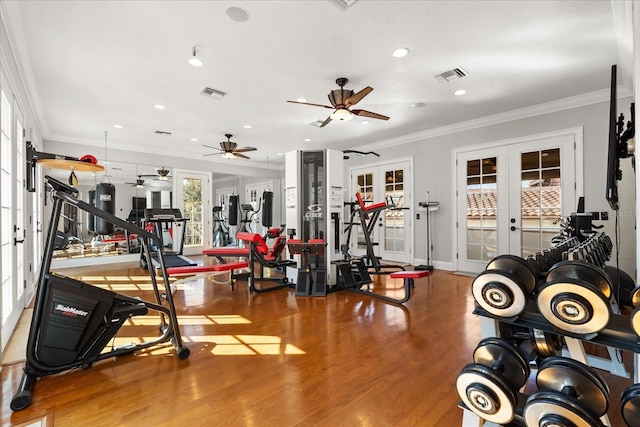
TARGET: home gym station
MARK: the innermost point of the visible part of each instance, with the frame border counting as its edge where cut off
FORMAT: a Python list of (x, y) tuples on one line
[(263, 241)]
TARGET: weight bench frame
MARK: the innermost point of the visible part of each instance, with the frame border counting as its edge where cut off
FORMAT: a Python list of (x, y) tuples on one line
[(348, 282), (267, 258)]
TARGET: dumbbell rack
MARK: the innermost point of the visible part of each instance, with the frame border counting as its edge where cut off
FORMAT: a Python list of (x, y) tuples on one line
[(617, 335)]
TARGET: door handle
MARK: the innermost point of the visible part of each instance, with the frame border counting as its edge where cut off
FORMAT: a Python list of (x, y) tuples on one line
[(16, 241), (514, 228)]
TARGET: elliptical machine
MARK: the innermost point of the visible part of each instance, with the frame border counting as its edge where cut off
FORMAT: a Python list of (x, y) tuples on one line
[(74, 321), (221, 237)]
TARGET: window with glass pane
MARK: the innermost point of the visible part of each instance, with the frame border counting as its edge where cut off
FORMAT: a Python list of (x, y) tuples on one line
[(6, 251), (193, 210), (540, 199), (394, 218), (365, 187), (482, 197)]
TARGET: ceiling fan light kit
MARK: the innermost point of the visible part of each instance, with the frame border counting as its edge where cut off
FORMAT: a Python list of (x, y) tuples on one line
[(228, 149)]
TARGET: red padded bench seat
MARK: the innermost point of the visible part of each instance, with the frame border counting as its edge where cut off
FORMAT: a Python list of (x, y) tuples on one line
[(230, 252), (195, 269), (410, 274)]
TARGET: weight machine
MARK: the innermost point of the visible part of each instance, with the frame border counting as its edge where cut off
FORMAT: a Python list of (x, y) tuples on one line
[(221, 237), (73, 321)]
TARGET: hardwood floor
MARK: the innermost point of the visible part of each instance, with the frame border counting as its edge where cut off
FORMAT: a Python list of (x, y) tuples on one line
[(274, 359)]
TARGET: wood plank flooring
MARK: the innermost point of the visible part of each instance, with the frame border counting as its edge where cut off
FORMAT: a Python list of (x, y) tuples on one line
[(275, 359)]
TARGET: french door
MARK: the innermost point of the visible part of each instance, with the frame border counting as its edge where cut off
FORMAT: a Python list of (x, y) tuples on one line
[(253, 196), (193, 198), (510, 198), (12, 233), (393, 233)]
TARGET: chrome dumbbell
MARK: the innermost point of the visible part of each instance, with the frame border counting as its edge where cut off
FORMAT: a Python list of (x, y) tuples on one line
[(575, 297), (503, 288), (488, 387), (569, 394)]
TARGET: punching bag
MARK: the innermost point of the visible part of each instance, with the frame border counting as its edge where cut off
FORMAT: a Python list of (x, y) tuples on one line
[(233, 210), (106, 201), (91, 219), (267, 208)]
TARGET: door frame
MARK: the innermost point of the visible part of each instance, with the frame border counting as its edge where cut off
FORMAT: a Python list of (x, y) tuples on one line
[(409, 202), (576, 132), (207, 213)]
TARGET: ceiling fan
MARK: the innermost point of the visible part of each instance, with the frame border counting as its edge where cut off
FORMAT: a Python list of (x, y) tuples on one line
[(341, 100), (138, 184), (161, 174), (228, 149)]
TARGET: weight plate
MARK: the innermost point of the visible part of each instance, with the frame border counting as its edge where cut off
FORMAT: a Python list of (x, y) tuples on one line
[(635, 320), (569, 376), (486, 394), (516, 266), (630, 405), (545, 344), (578, 308), (635, 297), (550, 408), (504, 358), (583, 271), (499, 293)]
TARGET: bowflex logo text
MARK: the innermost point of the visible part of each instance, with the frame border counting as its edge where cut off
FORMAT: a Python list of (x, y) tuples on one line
[(69, 311)]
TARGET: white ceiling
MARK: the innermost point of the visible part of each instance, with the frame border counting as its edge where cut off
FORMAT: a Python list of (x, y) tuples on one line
[(92, 64)]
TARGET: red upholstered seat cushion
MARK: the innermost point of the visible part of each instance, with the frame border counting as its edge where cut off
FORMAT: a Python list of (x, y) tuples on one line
[(230, 252), (195, 269), (412, 274)]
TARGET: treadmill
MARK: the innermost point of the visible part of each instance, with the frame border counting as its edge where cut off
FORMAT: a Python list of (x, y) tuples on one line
[(170, 227)]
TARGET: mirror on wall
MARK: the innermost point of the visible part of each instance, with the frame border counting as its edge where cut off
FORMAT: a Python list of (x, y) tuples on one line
[(135, 187)]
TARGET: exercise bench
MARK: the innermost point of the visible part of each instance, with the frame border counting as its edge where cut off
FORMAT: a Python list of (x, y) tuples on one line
[(195, 272), (267, 258)]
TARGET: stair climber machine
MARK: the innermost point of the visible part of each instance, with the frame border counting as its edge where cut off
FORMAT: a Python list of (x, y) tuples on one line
[(314, 204), (74, 321)]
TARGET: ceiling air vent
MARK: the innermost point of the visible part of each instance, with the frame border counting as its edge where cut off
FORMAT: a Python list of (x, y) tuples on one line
[(447, 76), (212, 93), (317, 123), (161, 132)]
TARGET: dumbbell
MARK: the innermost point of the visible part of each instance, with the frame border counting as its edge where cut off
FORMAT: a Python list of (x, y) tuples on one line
[(502, 289), (545, 344), (630, 405), (575, 297), (488, 387), (635, 315), (569, 394)]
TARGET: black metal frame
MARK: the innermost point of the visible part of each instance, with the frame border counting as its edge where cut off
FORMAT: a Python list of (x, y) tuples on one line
[(255, 255), (34, 367)]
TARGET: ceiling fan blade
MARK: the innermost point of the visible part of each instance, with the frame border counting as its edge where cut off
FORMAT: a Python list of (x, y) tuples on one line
[(215, 148), (326, 122), (211, 154), (244, 150), (313, 105), (354, 99), (242, 156), (365, 113)]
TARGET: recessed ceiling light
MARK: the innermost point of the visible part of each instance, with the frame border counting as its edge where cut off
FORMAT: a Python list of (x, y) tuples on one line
[(159, 107), (301, 99), (118, 126), (280, 154), (194, 139), (418, 104), (400, 52), (460, 92), (364, 122), (237, 14), (247, 126), (307, 140)]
